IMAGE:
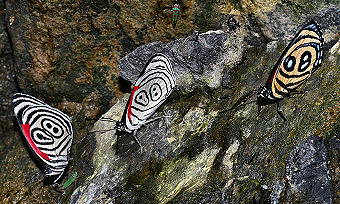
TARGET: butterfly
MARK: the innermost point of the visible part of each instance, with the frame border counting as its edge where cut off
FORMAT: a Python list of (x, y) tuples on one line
[(48, 132), (175, 11), (299, 60), (151, 89)]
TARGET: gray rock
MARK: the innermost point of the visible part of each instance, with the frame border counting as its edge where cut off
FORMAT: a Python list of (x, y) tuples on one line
[(198, 154), (164, 144), (308, 179), (68, 53), (198, 60)]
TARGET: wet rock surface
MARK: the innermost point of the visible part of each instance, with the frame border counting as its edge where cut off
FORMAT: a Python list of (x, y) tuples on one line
[(83, 56)]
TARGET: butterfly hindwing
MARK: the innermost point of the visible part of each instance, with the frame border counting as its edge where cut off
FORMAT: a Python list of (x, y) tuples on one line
[(47, 130), (297, 63), (299, 60), (150, 90)]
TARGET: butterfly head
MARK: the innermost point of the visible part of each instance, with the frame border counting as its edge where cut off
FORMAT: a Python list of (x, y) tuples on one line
[(48, 172), (120, 126), (52, 176), (264, 96)]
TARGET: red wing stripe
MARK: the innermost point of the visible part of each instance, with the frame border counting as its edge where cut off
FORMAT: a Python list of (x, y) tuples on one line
[(129, 108), (272, 77), (27, 132)]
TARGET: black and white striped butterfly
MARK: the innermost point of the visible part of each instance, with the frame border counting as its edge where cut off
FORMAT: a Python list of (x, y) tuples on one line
[(299, 60), (152, 88), (48, 132)]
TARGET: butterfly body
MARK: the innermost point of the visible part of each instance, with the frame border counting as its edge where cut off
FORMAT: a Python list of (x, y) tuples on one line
[(48, 132), (297, 63), (152, 88), (175, 11)]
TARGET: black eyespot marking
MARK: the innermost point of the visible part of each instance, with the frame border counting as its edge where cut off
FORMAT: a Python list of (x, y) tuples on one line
[(142, 98), (155, 92), (51, 133), (289, 63), (55, 130), (299, 60), (305, 61), (40, 136)]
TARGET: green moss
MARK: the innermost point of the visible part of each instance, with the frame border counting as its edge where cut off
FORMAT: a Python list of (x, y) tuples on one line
[(302, 6), (250, 191), (161, 181), (249, 65), (187, 100), (144, 183), (208, 194), (152, 169), (207, 16), (333, 132)]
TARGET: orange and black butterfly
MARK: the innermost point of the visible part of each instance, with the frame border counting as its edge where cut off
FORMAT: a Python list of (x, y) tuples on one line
[(297, 63)]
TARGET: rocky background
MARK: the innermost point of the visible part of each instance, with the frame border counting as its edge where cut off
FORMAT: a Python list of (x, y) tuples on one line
[(83, 56)]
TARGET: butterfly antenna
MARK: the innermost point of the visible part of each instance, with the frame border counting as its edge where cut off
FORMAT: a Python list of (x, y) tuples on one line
[(101, 119), (250, 102), (244, 96), (239, 105), (98, 131), (102, 131), (259, 114), (106, 119), (242, 101), (32, 178)]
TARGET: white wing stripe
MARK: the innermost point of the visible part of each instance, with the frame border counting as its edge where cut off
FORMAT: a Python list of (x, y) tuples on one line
[(152, 88), (50, 131)]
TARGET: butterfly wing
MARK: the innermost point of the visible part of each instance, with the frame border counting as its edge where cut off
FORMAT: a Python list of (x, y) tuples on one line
[(47, 130), (299, 60), (151, 89)]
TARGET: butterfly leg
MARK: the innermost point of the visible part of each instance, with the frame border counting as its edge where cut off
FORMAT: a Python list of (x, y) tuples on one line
[(107, 119), (174, 24), (295, 92), (259, 108), (259, 113), (279, 111), (135, 136), (157, 118), (117, 144)]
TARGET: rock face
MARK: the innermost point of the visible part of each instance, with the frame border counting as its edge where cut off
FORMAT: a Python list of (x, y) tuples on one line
[(7, 82), (213, 147), (307, 175), (197, 60)]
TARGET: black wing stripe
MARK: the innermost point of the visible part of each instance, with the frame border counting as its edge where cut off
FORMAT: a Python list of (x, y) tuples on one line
[(292, 76), (158, 71), (33, 111)]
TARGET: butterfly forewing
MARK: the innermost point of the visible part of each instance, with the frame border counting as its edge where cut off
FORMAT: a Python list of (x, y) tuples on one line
[(150, 90), (300, 59), (47, 130)]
